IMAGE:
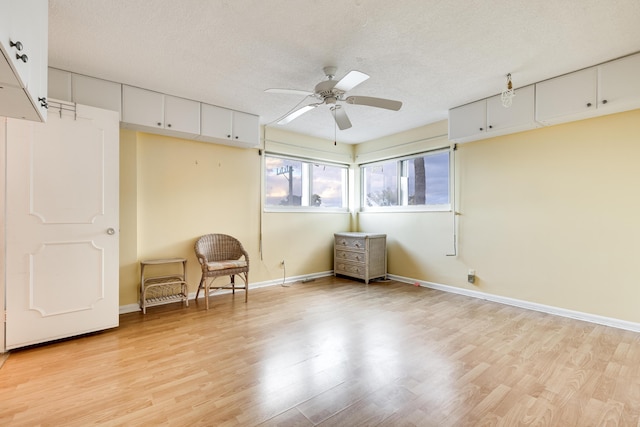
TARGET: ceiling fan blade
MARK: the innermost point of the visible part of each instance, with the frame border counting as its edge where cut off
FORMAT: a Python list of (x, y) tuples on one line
[(341, 117), (289, 91), (351, 80), (388, 104), (297, 113)]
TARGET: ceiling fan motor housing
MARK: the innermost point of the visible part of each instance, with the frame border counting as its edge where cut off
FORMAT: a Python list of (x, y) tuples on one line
[(326, 92)]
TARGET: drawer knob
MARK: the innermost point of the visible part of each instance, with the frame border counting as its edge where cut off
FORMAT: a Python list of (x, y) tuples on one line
[(17, 45), (24, 58)]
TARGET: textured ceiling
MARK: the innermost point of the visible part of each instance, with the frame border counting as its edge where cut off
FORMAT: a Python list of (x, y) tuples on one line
[(430, 54)]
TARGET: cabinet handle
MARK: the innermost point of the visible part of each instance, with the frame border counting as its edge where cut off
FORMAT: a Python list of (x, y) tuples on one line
[(481, 129), (588, 104), (43, 102), (228, 136), (490, 127), (17, 45), (159, 123), (604, 101), (236, 137), (169, 125), (24, 58)]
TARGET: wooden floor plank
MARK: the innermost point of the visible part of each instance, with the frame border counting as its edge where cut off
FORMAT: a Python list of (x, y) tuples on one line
[(330, 352)]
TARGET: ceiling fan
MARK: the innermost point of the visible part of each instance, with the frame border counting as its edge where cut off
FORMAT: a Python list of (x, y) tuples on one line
[(333, 93)]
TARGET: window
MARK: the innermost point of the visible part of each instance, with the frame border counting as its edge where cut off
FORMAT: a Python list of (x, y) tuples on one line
[(421, 181), (295, 183)]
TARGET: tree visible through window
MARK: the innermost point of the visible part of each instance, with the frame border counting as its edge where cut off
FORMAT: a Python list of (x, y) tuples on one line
[(414, 181)]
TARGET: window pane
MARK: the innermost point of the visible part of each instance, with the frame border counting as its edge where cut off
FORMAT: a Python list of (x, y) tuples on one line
[(428, 179), (283, 182), (327, 183), (437, 167), (381, 184)]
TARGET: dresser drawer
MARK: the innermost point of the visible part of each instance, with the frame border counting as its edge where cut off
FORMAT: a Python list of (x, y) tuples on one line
[(350, 256), (354, 270), (348, 242)]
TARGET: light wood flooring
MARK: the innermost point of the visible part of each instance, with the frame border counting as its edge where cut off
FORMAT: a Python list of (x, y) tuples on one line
[(332, 352)]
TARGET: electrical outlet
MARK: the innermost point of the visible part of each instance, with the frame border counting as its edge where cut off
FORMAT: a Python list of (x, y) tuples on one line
[(471, 276)]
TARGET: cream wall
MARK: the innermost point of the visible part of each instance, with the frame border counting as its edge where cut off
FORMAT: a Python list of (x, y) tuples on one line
[(548, 216), (173, 190)]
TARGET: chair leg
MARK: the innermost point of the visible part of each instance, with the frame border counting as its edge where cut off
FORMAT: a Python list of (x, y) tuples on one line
[(199, 287), (246, 287), (206, 294), (233, 284)]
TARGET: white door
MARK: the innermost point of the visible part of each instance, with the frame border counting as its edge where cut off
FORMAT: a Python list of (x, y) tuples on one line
[(61, 225)]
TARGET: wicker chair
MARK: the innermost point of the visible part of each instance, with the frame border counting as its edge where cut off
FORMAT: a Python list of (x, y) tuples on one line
[(221, 255)]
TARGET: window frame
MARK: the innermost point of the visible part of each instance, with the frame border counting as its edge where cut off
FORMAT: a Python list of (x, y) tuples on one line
[(307, 186), (402, 184)]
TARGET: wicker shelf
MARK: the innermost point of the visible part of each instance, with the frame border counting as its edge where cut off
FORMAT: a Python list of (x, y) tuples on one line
[(158, 290)]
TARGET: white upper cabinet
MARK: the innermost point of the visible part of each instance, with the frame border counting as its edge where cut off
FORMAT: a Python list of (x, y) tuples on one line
[(85, 90), (468, 121), (246, 129), (155, 112), (488, 117), (229, 127), (96, 92), (568, 97), (216, 122), (142, 108), (518, 117), (619, 85), (607, 88), (23, 59), (59, 86), (181, 115)]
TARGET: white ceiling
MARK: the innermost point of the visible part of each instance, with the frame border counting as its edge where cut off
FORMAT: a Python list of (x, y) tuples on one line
[(430, 54)]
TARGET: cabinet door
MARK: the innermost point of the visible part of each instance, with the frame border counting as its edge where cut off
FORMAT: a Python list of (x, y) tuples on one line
[(181, 115), (142, 107), (17, 26), (15, 102), (467, 121), (97, 92), (216, 122), (246, 129), (567, 97), (519, 116), (24, 23), (619, 85)]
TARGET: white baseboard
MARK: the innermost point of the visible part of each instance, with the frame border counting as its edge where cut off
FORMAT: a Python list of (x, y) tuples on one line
[(587, 317), (132, 308), (578, 315)]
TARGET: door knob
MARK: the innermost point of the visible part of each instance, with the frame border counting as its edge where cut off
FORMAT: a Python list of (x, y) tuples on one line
[(111, 231)]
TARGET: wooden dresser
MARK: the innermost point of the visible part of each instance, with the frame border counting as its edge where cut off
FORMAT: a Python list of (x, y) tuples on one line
[(360, 255)]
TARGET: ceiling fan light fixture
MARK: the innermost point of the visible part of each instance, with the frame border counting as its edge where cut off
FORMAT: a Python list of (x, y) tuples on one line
[(508, 93)]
